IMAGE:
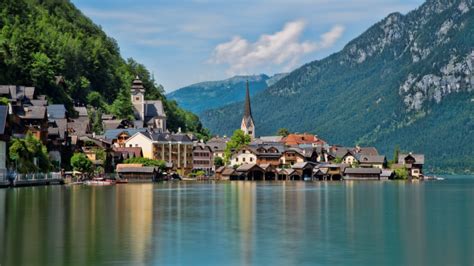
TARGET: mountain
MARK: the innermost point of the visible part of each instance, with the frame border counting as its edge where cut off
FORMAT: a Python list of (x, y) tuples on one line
[(408, 81), (42, 41), (213, 94)]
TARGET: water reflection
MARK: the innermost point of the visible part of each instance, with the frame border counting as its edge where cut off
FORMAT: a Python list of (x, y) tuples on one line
[(240, 223)]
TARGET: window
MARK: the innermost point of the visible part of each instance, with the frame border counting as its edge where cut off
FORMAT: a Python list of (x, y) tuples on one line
[(130, 145), (237, 159), (137, 98), (136, 145), (243, 159), (251, 159)]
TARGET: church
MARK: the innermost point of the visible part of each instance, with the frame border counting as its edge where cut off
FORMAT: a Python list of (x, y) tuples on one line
[(148, 114), (247, 125)]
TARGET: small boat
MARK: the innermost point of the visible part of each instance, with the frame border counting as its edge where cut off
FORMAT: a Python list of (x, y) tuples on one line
[(121, 181), (99, 182)]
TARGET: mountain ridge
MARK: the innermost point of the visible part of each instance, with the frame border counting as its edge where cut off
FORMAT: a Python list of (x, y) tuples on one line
[(205, 95), (392, 77)]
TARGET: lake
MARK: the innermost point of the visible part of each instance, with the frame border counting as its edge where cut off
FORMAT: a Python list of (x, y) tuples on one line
[(240, 223)]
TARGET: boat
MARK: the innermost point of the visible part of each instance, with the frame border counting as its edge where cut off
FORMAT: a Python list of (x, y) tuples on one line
[(121, 181), (99, 182)]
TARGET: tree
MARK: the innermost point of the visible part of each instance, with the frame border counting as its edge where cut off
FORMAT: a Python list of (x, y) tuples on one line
[(29, 155), (284, 132), (96, 121), (401, 173), (395, 154), (95, 100), (337, 160), (4, 101), (81, 163), (218, 162), (238, 140), (146, 162), (122, 106)]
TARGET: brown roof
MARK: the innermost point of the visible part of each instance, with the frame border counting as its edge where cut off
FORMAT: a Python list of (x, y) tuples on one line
[(349, 170), (135, 151)]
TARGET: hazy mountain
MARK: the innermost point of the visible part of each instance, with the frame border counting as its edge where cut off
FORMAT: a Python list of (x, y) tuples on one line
[(213, 94), (408, 80)]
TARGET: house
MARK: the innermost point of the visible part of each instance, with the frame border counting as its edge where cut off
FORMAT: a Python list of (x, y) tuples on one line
[(32, 119), (118, 137), (148, 114), (305, 138), (138, 173), (202, 158), (176, 149), (293, 155), (413, 162), (244, 155), (217, 145), (286, 174), (250, 171), (226, 173), (362, 173), (304, 170), (372, 161)]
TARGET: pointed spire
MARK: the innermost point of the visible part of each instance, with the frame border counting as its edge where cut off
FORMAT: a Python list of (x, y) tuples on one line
[(248, 109)]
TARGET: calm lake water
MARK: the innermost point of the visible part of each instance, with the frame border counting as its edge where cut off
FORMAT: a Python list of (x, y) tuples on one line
[(240, 223)]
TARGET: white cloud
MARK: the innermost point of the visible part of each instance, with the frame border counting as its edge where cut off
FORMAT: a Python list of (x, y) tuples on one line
[(282, 48)]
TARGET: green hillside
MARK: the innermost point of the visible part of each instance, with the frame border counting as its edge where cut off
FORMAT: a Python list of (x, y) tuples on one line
[(408, 81), (203, 96), (43, 39)]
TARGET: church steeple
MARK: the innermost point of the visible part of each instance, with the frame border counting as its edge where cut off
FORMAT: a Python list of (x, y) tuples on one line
[(248, 126)]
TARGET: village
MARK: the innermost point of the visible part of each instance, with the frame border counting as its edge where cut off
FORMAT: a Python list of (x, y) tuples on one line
[(145, 150)]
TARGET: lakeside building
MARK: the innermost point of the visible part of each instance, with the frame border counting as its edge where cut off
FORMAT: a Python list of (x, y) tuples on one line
[(175, 149), (203, 158)]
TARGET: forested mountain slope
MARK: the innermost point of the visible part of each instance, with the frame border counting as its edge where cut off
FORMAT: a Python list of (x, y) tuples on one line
[(207, 95), (408, 80), (44, 39)]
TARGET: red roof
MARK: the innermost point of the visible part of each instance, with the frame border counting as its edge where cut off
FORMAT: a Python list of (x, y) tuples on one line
[(296, 139)]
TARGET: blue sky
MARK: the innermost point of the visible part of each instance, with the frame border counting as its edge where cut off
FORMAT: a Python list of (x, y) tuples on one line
[(184, 42)]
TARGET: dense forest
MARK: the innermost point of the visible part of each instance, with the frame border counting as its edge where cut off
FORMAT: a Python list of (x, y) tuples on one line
[(42, 40), (407, 81)]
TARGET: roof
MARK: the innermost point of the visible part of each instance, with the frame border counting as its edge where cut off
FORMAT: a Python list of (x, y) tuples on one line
[(112, 124), (129, 151), (79, 126), (419, 158), (39, 102), (81, 110), (362, 171), (305, 138), (270, 139), (33, 112), (366, 151), (167, 137), (56, 111), (247, 108), (371, 159), (301, 165), (3, 118), (154, 108), (143, 169), (113, 133), (386, 173), (220, 169), (248, 167), (228, 171)]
